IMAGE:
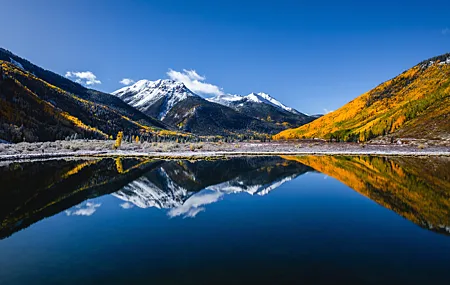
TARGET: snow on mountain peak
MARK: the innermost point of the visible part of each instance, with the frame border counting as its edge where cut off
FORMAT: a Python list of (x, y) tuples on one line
[(262, 98), (145, 93)]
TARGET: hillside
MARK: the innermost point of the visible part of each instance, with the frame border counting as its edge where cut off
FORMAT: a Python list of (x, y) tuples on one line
[(32, 109), (415, 104), (79, 90), (202, 117)]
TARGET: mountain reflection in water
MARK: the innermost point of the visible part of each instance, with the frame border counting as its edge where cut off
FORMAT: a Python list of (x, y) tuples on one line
[(415, 188)]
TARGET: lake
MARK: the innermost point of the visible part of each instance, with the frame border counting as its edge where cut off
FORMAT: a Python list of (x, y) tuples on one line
[(248, 220)]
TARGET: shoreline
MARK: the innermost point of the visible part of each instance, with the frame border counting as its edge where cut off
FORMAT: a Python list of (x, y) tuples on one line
[(168, 150), (213, 154)]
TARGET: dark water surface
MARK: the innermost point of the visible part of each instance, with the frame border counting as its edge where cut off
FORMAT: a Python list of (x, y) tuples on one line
[(260, 220)]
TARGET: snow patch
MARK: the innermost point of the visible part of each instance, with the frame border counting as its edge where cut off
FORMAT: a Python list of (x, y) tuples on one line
[(447, 61), (16, 63)]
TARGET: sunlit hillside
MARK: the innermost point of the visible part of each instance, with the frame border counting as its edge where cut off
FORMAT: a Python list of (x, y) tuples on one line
[(407, 105)]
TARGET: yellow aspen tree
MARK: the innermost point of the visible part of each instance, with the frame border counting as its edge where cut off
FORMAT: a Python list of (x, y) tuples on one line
[(118, 140)]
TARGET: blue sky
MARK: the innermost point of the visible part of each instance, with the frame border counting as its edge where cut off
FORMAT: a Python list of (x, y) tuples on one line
[(311, 55)]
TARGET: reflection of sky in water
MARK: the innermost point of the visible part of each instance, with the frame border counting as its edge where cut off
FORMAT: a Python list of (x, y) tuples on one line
[(194, 204), (84, 209)]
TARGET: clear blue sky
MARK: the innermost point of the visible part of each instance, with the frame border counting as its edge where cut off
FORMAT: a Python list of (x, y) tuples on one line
[(309, 56)]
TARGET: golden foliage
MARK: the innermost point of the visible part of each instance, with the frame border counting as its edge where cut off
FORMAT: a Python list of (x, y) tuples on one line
[(78, 123), (118, 141), (119, 165)]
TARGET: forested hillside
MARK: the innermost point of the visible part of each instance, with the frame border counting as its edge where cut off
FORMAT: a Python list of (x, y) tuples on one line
[(32, 109)]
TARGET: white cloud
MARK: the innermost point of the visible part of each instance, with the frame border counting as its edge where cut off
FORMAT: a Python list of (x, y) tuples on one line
[(126, 205), (194, 75), (446, 31), (87, 209), (126, 81), (194, 82), (83, 77), (327, 111), (195, 204)]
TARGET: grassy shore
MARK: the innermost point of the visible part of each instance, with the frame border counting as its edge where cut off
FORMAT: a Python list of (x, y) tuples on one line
[(179, 150)]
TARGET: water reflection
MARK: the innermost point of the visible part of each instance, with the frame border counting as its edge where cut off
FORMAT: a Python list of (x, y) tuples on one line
[(32, 191), (415, 188), (187, 187)]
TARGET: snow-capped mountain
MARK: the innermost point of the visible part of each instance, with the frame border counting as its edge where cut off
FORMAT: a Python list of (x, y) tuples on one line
[(177, 106), (174, 104), (264, 107), (164, 94), (238, 100)]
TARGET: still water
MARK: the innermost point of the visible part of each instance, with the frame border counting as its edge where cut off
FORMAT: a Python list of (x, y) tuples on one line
[(260, 220)]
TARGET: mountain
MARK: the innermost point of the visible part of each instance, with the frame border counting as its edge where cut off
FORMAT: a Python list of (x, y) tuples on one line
[(39, 105), (263, 107), (261, 98), (155, 98), (415, 105), (177, 106)]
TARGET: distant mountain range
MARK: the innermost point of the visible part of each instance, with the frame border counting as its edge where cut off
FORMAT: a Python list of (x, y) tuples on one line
[(174, 104), (39, 105), (415, 104)]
